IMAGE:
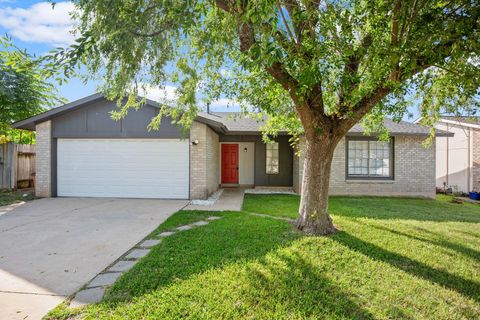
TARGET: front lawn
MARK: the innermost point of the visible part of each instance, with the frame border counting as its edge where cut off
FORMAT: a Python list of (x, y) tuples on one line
[(393, 258)]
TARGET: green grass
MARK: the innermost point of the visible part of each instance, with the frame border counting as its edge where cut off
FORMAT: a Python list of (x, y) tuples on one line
[(441, 209), (10, 197), (392, 259)]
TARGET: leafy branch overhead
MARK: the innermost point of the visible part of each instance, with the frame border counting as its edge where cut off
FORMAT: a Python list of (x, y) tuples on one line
[(24, 90), (334, 60)]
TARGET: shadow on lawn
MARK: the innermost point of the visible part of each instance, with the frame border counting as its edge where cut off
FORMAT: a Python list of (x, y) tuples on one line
[(463, 286), (403, 208), (474, 254), (466, 233), (302, 290)]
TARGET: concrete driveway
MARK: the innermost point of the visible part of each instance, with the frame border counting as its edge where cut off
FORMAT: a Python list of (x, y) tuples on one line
[(50, 248)]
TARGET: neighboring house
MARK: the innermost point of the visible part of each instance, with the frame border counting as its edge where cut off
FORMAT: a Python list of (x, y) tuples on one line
[(458, 156), (82, 152)]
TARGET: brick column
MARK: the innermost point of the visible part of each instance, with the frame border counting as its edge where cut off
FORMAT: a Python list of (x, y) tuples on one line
[(203, 161), (198, 161), (43, 160)]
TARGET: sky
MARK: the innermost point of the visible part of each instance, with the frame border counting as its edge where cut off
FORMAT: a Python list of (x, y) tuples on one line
[(39, 28)]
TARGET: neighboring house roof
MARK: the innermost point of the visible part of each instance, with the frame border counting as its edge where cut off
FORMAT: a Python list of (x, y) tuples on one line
[(465, 121), (223, 122)]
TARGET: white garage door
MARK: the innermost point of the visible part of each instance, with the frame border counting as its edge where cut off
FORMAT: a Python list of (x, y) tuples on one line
[(123, 168)]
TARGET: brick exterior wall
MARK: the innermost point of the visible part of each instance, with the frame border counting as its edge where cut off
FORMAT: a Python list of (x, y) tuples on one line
[(203, 161), (476, 159), (43, 159), (414, 167)]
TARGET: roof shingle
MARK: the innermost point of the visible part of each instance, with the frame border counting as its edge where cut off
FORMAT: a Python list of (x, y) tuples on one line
[(236, 122)]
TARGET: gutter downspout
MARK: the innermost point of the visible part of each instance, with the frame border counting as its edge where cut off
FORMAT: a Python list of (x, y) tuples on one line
[(470, 166), (448, 154)]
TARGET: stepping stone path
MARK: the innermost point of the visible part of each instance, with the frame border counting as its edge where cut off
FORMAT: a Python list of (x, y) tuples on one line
[(149, 243), (137, 254), (95, 289), (200, 223), (86, 296), (166, 234), (122, 266), (104, 279)]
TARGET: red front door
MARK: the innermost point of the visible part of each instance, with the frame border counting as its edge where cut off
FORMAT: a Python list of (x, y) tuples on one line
[(229, 163)]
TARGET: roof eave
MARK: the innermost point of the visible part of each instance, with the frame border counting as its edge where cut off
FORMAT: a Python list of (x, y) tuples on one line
[(410, 134), (460, 123), (217, 126)]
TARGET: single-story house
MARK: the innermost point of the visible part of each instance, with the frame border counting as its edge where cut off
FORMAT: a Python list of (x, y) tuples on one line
[(82, 152), (458, 156)]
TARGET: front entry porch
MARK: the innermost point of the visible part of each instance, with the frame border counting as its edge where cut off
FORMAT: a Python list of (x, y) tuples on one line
[(247, 161), (231, 199)]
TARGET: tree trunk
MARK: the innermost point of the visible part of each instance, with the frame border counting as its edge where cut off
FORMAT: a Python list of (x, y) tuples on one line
[(314, 217)]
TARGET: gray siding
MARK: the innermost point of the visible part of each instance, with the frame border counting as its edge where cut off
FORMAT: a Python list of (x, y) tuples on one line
[(94, 121), (285, 176)]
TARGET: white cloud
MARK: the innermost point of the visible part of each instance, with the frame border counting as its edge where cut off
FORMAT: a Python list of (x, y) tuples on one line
[(40, 23), (165, 95), (224, 103), (168, 95)]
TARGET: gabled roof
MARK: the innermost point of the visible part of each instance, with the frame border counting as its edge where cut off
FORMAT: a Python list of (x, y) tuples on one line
[(223, 122)]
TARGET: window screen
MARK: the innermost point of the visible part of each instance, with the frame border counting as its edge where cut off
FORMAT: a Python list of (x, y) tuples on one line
[(369, 158)]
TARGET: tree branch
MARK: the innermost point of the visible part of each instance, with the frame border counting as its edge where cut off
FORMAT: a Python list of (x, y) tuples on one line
[(276, 70), (285, 22), (292, 6), (225, 5), (350, 71), (395, 74)]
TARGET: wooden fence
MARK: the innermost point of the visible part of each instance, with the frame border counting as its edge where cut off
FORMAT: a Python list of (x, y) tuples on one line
[(17, 165)]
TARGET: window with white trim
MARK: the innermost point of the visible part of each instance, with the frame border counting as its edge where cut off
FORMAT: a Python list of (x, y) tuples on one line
[(272, 158), (368, 158)]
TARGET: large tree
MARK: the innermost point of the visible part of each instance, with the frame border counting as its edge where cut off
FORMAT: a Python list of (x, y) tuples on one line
[(315, 67), (24, 90)]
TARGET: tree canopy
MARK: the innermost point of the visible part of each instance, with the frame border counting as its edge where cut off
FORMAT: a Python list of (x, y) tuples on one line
[(24, 91), (267, 54)]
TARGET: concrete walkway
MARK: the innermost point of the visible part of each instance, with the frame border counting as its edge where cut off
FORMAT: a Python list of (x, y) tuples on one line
[(50, 248), (230, 200)]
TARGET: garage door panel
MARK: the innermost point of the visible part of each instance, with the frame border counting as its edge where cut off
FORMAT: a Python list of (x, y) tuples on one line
[(130, 168)]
